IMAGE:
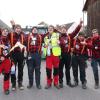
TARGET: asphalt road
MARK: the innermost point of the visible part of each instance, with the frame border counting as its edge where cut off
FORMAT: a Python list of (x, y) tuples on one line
[(65, 93)]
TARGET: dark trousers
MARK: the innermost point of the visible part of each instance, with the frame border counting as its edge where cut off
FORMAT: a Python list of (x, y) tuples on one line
[(33, 64), (18, 59), (79, 61), (65, 61), (94, 64)]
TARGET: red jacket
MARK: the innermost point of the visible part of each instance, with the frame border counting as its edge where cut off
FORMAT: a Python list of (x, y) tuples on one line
[(0, 31), (14, 38), (94, 45), (79, 48), (66, 40), (34, 43), (4, 41)]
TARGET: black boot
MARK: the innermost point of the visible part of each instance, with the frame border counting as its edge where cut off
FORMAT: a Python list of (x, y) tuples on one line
[(47, 86), (57, 86), (84, 85), (29, 86), (75, 84), (13, 86), (61, 85), (70, 84), (96, 85), (7, 92), (21, 87), (39, 87)]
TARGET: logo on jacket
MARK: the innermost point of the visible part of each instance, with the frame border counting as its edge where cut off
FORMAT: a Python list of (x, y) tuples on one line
[(33, 40), (77, 46)]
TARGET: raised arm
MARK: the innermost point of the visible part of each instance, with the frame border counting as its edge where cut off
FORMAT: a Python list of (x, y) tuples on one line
[(75, 32)]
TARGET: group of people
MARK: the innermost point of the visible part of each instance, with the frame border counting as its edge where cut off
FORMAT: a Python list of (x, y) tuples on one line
[(60, 49)]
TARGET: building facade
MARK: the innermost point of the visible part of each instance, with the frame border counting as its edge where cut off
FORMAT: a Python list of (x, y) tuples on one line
[(92, 7)]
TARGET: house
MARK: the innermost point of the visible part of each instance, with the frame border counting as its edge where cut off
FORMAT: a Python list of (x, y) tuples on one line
[(3, 25), (92, 7)]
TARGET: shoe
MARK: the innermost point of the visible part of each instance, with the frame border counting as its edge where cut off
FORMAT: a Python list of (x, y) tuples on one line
[(39, 87), (96, 86), (7, 92), (47, 86), (13, 88), (29, 86), (21, 87), (57, 86), (70, 85), (84, 86), (61, 85), (75, 84)]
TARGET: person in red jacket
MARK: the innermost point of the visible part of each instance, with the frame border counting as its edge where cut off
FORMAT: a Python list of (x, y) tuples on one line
[(5, 63), (79, 57), (95, 47), (34, 57), (0, 31), (17, 55), (65, 59)]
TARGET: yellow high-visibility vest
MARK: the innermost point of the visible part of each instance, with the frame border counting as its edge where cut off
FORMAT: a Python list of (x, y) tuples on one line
[(53, 41)]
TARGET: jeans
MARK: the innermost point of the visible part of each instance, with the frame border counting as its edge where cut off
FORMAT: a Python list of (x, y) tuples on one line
[(34, 64), (94, 64)]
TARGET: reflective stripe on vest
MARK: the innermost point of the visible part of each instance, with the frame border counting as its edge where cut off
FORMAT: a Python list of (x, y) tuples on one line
[(69, 43), (0, 51), (22, 38), (12, 39), (56, 50), (40, 43), (1, 47), (28, 41)]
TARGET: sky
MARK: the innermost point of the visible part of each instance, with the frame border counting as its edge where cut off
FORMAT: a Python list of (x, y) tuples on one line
[(32, 12)]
